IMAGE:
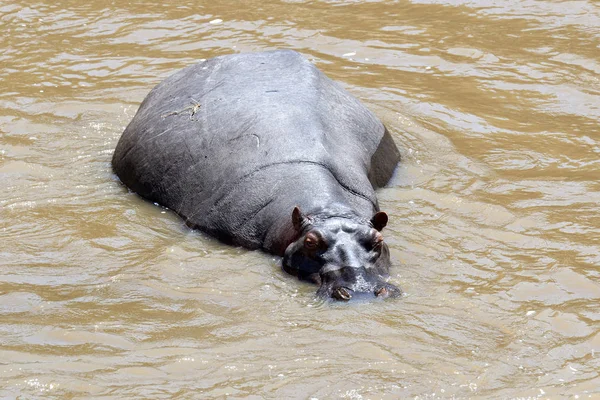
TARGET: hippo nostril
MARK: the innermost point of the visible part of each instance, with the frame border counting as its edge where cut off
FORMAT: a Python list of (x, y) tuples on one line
[(381, 292), (341, 293)]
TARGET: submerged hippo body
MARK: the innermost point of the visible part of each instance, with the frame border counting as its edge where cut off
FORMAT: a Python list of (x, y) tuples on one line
[(264, 151)]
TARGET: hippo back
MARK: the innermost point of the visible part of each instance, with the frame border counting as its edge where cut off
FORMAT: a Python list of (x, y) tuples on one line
[(213, 127)]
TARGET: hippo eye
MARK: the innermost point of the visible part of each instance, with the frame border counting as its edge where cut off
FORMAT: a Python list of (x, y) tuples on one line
[(311, 241)]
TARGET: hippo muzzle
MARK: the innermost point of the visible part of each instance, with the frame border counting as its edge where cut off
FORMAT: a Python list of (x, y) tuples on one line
[(347, 283)]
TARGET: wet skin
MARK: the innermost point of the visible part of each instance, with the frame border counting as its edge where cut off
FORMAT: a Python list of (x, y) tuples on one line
[(262, 150)]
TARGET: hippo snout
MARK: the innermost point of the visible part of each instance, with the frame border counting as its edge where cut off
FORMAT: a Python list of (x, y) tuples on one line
[(347, 284), (343, 293)]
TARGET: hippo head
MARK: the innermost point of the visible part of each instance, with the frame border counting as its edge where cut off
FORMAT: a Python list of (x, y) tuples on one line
[(343, 253)]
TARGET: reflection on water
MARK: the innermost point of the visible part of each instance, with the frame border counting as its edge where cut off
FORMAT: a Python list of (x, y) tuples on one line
[(494, 212)]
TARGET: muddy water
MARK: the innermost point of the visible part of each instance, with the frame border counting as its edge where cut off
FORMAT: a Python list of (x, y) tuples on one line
[(495, 229)]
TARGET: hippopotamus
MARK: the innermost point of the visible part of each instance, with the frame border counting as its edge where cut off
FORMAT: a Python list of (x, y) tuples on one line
[(264, 151)]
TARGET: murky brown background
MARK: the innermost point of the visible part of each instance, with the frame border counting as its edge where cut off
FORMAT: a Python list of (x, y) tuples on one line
[(495, 223)]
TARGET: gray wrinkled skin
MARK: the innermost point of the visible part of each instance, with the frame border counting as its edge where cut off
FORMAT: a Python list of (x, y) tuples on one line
[(235, 143)]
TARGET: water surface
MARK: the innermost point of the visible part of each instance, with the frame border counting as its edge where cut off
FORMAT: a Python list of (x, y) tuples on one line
[(494, 229)]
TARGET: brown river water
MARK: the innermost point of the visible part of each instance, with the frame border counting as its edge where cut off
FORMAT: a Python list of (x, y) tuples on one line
[(494, 213)]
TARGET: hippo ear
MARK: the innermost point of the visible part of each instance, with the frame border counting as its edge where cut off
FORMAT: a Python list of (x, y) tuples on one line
[(379, 220), (298, 219)]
